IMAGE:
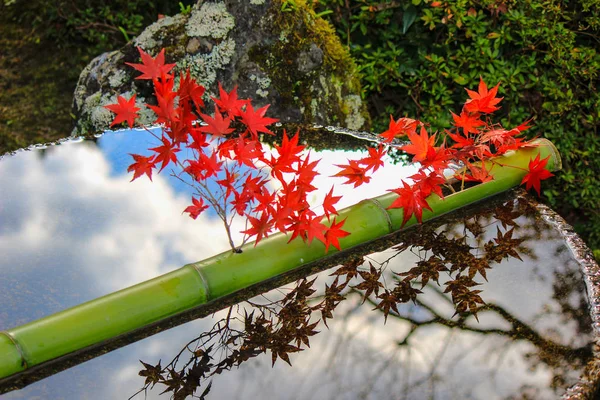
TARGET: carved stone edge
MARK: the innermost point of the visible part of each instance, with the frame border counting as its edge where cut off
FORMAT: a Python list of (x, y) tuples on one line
[(589, 382)]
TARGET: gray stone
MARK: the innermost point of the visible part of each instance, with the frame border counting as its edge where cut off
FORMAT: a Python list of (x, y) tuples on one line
[(310, 60), (290, 60)]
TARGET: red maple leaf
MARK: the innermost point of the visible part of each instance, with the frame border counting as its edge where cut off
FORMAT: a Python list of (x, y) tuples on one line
[(514, 144), (125, 110), (537, 172), (246, 151), (166, 112), (403, 126), (197, 208), (228, 182), (289, 153), (164, 86), (483, 100), (254, 184), (229, 102), (328, 203), (255, 121), (178, 130), (477, 174), (190, 90), (419, 144), (297, 224), (142, 165), (211, 165), (217, 126), (411, 200), (461, 141), (240, 202), (306, 174), (260, 227), (314, 230), (428, 183), (354, 173), (499, 136), (198, 140), (152, 68), (437, 158), (166, 153), (374, 160), (333, 233), (467, 121), (266, 202)]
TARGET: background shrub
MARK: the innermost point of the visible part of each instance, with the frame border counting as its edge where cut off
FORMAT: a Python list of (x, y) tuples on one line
[(45, 44), (416, 56), (98, 25)]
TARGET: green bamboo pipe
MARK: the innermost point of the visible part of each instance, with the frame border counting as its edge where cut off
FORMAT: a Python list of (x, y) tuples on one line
[(195, 284)]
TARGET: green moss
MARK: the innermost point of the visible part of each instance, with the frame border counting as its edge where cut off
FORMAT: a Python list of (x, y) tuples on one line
[(299, 31), (36, 83), (306, 28)]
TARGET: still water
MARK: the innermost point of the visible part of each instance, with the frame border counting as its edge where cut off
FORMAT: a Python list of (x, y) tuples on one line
[(73, 227)]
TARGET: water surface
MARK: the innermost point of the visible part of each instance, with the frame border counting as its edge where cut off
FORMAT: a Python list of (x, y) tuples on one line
[(73, 228)]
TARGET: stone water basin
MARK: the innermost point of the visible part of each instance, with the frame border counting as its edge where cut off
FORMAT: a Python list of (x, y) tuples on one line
[(73, 228)]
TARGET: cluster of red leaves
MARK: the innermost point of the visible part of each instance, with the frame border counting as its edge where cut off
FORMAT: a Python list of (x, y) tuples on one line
[(227, 151), (474, 141), (227, 154)]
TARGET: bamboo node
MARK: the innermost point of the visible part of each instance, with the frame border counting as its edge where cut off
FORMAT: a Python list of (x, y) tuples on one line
[(384, 212), (18, 347)]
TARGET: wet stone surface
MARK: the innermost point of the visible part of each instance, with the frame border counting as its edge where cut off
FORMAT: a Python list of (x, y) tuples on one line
[(74, 228)]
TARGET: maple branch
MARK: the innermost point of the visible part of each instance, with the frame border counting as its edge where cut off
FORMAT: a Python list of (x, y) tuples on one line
[(519, 329)]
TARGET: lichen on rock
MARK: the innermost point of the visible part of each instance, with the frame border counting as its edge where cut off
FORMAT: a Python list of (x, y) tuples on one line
[(290, 60), (204, 67), (263, 83), (152, 37), (210, 20), (99, 116), (117, 78), (354, 116)]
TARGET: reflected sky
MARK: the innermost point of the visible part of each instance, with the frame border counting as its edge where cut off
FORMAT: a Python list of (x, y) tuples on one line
[(73, 227)]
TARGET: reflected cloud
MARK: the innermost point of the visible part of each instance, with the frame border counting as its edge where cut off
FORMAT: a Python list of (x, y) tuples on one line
[(118, 232)]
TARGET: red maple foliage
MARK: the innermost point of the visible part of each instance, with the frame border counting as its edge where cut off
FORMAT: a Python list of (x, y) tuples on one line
[(226, 150), (333, 233), (125, 110), (483, 100), (196, 208), (537, 172), (142, 165), (354, 173), (152, 68), (411, 200), (420, 145)]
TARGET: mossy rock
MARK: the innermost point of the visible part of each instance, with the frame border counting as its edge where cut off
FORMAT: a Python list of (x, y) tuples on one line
[(277, 55)]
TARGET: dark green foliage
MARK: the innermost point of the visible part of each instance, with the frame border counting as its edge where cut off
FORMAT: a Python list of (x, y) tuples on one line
[(416, 57), (99, 25), (45, 44)]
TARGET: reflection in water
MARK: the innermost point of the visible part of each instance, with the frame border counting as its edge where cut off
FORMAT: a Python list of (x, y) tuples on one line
[(74, 228), (433, 284)]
